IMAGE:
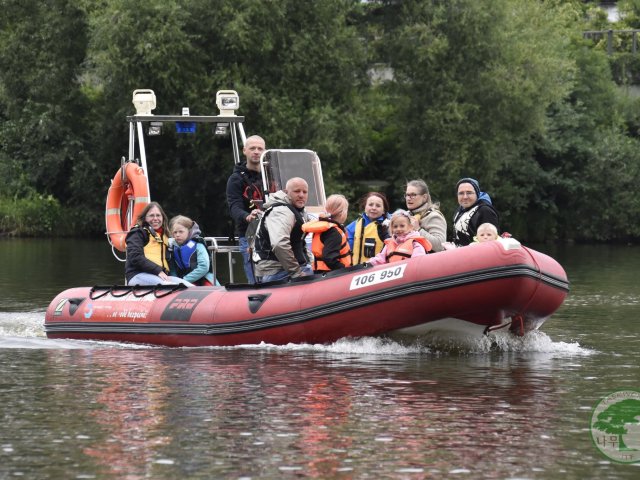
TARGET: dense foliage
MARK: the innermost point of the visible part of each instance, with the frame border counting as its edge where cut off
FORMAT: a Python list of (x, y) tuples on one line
[(506, 91)]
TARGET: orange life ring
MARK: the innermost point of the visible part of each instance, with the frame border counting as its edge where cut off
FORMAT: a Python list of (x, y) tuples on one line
[(127, 197)]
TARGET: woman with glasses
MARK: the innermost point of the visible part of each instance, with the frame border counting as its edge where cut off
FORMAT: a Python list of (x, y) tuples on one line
[(147, 246), (474, 210), (428, 220)]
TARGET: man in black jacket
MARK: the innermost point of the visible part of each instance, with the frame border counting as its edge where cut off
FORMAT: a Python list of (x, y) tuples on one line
[(245, 194), (475, 209)]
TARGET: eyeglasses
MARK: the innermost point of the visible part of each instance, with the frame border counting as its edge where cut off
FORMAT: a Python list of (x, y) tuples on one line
[(412, 195), (466, 194)]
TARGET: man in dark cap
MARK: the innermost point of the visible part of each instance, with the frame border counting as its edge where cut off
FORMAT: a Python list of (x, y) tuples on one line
[(474, 210)]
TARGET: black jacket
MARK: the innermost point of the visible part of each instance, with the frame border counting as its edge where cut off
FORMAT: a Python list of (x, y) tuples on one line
[(243, 186), (467, 220), (136, 262)]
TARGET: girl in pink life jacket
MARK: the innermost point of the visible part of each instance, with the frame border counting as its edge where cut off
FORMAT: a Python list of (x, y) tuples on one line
[(405, 241)]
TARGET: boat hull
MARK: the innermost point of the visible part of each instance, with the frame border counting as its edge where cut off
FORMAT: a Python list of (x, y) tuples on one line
[(483, 287)]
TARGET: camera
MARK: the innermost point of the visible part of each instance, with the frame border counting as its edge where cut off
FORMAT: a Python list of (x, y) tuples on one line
[(369, 247)]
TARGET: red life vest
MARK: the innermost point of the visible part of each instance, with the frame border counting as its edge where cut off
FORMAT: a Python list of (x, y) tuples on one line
[(317, 245), (398, 252)]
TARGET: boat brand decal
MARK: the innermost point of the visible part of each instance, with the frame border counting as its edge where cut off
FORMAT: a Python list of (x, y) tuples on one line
[(89, 311), (59, 307), (380, 276), (182, 306)]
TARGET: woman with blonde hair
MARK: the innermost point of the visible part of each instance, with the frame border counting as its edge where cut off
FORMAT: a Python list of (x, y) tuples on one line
[(330, 246), (428, 220)]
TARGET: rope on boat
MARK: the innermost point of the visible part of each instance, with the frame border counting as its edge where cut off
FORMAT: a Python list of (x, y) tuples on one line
[(170, 289), (138, 291), (94, 296), (141, 291)]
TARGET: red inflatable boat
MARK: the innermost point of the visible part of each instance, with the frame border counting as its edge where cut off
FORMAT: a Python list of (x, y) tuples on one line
[(469, 290)]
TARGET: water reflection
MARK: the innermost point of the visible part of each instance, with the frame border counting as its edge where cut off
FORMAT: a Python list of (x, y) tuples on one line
[(259, 414), (354, 409), (131, 399)]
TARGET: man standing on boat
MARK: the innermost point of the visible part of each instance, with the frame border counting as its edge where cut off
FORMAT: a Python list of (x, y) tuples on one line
[(280, 250), (245, 195)]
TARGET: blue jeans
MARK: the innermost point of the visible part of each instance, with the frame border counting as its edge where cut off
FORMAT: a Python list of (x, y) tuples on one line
[(282, 274), (144, 278), (246, 259)]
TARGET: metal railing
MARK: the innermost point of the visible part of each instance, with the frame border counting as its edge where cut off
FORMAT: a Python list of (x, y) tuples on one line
[(222, 245), (596, 34)]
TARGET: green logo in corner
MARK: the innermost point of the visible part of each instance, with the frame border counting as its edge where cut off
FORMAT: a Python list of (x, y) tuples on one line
[(615, 426)]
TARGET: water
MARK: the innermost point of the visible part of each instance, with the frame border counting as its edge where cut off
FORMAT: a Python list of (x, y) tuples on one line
[(367, 408)]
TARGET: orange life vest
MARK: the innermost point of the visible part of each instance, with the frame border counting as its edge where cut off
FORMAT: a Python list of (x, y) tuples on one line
[(317, 245), (398, 252)]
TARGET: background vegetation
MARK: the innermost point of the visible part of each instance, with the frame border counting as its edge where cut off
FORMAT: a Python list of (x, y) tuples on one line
[(506, 91)]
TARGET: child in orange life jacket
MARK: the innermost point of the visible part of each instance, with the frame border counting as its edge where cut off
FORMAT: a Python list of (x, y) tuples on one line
[(487, 232), (330, 246), (189, 259), (405, 241)]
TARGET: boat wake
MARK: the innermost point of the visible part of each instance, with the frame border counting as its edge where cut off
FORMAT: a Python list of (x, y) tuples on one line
[(535, 341), (26, 330), (22, 324)]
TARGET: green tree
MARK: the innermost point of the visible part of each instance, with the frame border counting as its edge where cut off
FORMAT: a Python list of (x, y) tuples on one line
[(297, 67), (42, 46), (506, 91), (141, 45), (477, 79)]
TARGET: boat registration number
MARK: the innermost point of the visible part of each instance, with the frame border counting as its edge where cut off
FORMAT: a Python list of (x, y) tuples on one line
[(381, 276)]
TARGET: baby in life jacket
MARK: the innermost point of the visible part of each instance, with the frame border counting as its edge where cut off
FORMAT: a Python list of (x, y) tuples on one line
[(405, 241)]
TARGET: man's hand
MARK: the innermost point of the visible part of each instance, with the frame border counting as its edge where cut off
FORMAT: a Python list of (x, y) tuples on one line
[(252, 214)]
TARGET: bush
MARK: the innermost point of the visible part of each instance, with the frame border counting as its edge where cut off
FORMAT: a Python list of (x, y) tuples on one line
[(34, 216)]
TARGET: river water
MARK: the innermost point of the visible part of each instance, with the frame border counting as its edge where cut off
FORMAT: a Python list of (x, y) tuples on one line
[(357, 409)]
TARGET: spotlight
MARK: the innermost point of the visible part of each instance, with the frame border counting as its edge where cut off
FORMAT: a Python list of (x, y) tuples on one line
[(144, 100), (228, 102)]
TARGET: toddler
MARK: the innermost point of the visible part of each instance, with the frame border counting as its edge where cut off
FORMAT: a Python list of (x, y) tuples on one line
[(486, 232)]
